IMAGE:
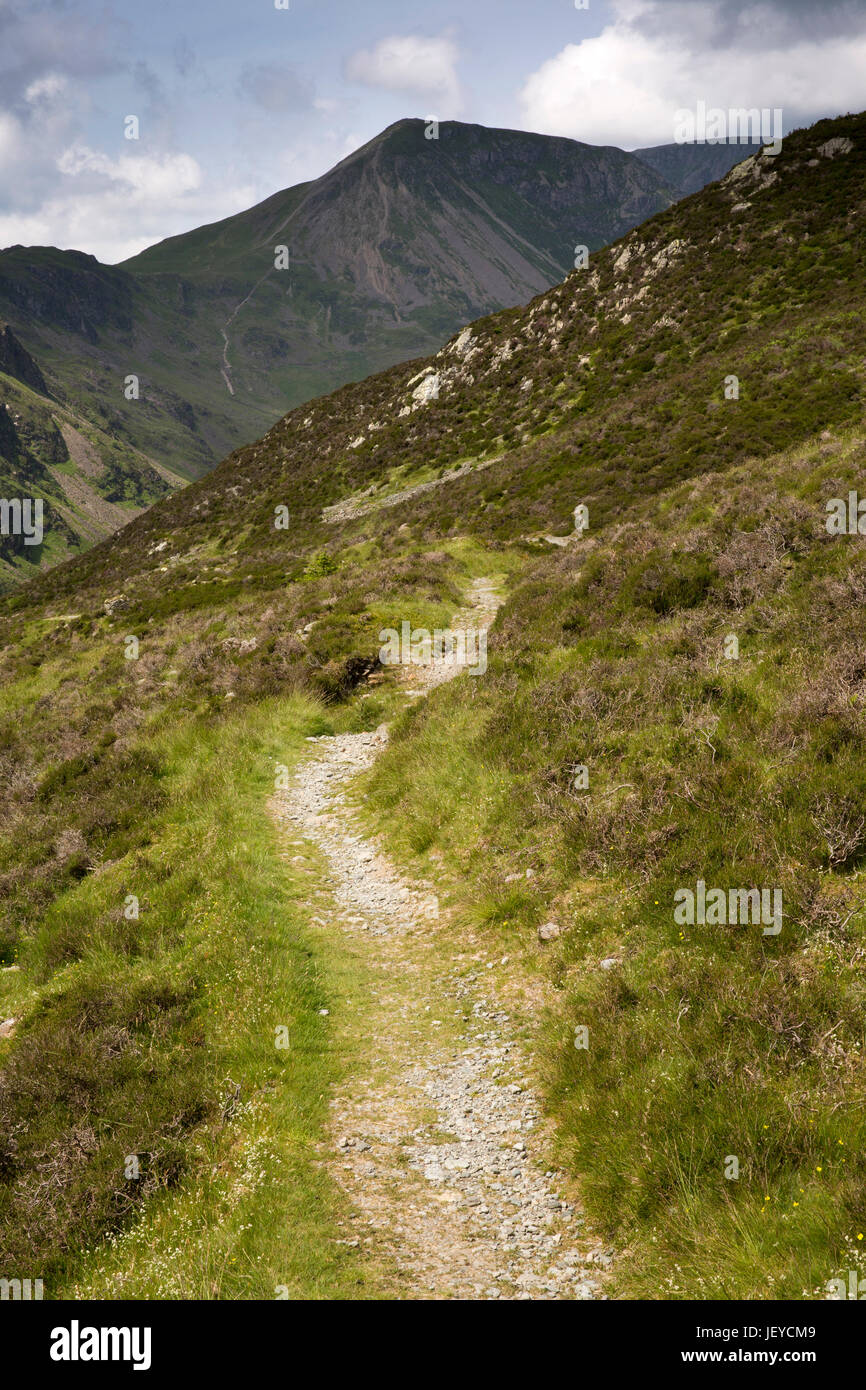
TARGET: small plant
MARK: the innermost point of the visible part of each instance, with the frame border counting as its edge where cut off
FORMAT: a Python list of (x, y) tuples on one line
[(320, 564)]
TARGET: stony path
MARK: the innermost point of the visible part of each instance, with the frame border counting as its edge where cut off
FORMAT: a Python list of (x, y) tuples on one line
[(438, 1139)]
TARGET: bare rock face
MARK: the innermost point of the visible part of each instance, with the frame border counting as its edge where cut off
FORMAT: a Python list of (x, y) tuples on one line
[(549, 931), (16, 361)]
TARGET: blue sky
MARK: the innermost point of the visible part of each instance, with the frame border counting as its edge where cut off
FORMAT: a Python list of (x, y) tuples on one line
[(237, 98)]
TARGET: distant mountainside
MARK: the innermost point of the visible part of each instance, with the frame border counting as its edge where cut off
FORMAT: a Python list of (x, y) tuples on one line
[(89, 481), (388, 254), (689, 168)]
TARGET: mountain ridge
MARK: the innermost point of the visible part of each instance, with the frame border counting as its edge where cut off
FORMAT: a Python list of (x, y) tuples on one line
[(611, 311)]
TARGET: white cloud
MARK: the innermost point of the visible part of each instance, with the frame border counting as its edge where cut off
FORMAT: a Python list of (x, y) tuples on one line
[(116, 207), (57, 185), (624, 86), (413, 65), (141, 177), (113, 228)]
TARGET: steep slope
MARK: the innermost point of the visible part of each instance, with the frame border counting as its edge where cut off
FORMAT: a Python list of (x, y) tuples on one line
[(16, 361), (92, 327), (89, 482), (389, 253), (699, 389)]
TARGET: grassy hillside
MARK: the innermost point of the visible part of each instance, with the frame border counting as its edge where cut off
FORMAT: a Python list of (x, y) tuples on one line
[(88, 481), (707, 520), (704, 1041), (91, 326)]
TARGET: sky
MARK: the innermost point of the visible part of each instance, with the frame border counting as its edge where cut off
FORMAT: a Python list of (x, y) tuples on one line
[(235, 99)]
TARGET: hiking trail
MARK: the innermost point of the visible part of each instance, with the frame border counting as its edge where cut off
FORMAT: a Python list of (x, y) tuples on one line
[(437, 1135)]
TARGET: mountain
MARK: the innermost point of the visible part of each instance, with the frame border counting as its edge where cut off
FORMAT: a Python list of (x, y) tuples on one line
[(690, 167), (394, 248), (91, 327), (693, 647), (412, 232), (89, 482), (573, 378), (388, 254)]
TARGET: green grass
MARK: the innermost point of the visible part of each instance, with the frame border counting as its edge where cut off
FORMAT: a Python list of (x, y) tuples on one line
[(238, 1203), (705, 1043)]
